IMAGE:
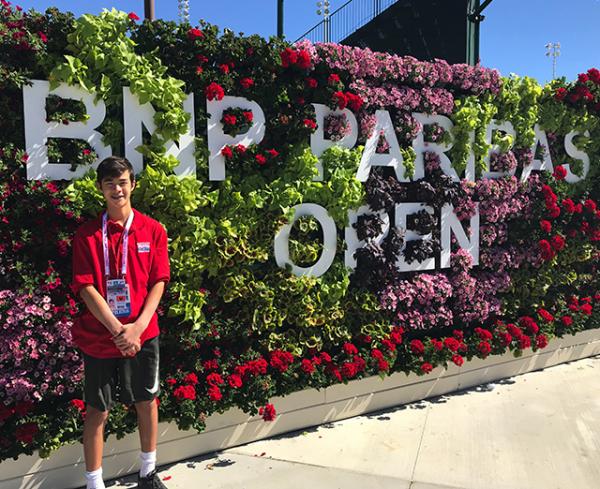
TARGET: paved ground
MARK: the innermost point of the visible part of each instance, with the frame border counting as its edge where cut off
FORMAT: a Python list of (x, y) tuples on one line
[(536, 431)]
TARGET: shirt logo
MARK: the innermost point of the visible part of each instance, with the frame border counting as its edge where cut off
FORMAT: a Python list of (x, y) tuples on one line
[(143, 247)]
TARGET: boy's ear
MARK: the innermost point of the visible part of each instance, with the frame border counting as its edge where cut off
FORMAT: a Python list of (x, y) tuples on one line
[(133, 184), (98, 186)]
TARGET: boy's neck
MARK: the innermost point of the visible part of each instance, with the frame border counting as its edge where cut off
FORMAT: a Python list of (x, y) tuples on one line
[(120, 214)]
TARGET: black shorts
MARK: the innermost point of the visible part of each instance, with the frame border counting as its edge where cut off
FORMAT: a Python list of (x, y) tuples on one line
[(126, 380)]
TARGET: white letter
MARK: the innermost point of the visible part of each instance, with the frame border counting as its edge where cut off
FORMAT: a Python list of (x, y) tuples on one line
[(403, 210), (450, 223), (37, 130), (282, 246), (351, 238), (217, 139), (421, 146), (573, 152), (318, 143), (393, 158), (546, 162), (507, 127), (135, 116)]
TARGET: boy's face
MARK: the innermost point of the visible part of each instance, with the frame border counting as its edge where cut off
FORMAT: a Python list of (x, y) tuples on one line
[(117, 190)]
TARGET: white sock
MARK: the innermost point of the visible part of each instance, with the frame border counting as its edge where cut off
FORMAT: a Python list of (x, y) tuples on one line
[(148, 460), (94, 479)]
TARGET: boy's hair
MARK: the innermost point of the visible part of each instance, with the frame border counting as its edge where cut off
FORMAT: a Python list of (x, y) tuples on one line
[(113, 167)]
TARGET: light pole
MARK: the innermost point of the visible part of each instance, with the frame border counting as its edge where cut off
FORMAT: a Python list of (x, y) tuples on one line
[(279, 18), (553, 50), (323, 9), (184, 11), (149, 9)]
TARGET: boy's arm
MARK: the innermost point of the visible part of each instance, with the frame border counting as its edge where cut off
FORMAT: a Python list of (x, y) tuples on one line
[(99, 308)]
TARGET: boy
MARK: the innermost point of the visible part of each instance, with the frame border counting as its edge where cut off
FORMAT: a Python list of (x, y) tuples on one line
[(120, 270)]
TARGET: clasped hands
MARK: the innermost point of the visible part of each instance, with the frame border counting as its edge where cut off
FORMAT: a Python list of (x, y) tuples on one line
[(128, 340)]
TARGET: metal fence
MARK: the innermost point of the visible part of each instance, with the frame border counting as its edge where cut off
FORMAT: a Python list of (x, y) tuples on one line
[(345, 20)]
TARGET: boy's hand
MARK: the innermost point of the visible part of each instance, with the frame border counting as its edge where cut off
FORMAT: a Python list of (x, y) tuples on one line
[(129, 338)]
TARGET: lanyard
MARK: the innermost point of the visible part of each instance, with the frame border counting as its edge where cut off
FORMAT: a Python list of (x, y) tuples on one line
[(105, 244)]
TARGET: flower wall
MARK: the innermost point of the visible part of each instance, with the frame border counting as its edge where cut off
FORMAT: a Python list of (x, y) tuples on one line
[(237, 329)]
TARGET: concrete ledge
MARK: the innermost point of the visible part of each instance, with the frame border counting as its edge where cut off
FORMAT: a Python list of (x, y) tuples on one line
[(64, 469)]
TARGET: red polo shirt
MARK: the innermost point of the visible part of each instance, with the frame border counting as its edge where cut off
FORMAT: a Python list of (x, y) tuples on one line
[(147, 264)]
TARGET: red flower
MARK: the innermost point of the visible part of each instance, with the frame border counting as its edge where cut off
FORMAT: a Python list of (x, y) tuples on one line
[(303, 61), (560, 94), (417, 347), (354, 101), (569, 206), (339, 99), (201, 58), (234, 381), (199, 70), (281, 360), (268, 412), (43, 37), (558, 242), (545, 315), (133, 16), (529, 324), (377, 354), (194, 34), (333, 79), (566, 320), (426, 367), (214, 379), (5, 412), (190, 378), (484, 348), (590, 205), (389, 345), (224, 68), (310, 123), (458, 360), (227, 153), (86, 152), (586, 309), (559, 173), (246, 82), (451, 344), (524, 342), (78, 404), (350, 349), (171, 381), (185, 392), (506, 338), (214, 393), (382, 365), (288, 57), (248, 115), (437, 344), (230, 119), (307, 366), (26, 432), (325, 357), (260, 159), (542, 341), (546, 226), (23, 408), (594, 75), (210, 365), (554, 212), (546, 250), (483, 334), (458, 334), (240, 149), (349, 370), (311, 83), (214, 90)]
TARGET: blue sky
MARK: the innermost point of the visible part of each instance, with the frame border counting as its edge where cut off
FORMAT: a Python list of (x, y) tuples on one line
[(513, 34)]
